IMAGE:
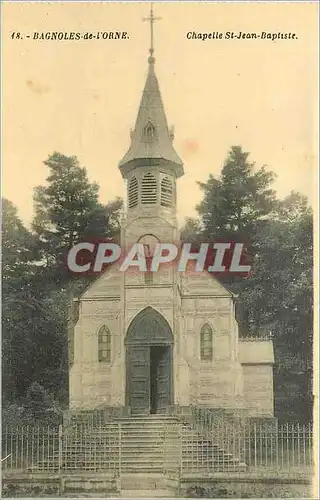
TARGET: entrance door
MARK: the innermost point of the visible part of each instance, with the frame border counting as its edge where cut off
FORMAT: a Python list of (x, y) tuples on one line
[(149, 342), (160, 378), (138, 377)]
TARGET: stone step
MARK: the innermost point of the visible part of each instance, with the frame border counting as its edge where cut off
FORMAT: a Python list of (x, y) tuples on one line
[(147, 493), (148, 418), (142, 469), (137, 481), (93, 494), (136, 431), (154, 428), (142, 449), (142, 445), (142, 460), (146, 453), (149, 422), (145, 428)]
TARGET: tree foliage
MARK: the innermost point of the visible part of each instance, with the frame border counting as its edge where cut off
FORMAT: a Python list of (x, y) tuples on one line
[(37, 287), (233, 204), (276, 297), (67, 211)]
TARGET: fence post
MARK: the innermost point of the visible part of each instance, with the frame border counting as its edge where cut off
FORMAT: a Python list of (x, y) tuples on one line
[(164, 449), (60, 438), (255, 443), (277, 439), (180, 452), (120, 449)]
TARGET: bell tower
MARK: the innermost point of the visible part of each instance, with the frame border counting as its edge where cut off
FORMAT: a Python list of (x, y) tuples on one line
[(151, 167)]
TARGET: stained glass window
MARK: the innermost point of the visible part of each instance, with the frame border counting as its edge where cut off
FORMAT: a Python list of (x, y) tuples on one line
[(104, 344)]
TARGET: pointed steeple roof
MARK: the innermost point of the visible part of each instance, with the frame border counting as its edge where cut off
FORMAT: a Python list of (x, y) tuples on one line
[(151, 140)]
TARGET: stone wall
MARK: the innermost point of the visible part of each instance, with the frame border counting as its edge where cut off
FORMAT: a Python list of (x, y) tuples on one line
[(94, 384), (217, 382), (228, 485), (223, 485), (19, 484), (258, 389)]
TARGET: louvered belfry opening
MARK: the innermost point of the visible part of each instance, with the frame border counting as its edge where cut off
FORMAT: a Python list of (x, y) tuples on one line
[(133, 193), (166, 192), (149, 190)]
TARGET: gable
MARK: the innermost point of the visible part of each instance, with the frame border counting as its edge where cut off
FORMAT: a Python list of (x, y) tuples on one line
[(107, 284), (202, 283)]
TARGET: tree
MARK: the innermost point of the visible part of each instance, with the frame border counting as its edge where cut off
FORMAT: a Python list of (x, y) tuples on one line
[(278, 293), (191, 232), (38, 288), (276, 297), (68, 211), (293, 314), (18, 258), (18, 244), (233, 204), (32, 326)]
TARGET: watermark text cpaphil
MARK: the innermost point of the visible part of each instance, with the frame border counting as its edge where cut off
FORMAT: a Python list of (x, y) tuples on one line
[(216, 258)]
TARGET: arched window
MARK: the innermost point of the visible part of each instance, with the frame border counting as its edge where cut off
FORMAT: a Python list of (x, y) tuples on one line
[(133, 193), (149, 190), (166, 192), (149, 132), (206, 341), (104, 344)]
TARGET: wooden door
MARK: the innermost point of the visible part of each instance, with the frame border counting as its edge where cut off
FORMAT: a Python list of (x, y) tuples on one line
[(138, 379), (164, 379)]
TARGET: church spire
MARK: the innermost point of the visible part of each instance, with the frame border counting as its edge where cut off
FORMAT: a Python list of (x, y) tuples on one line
[(151, 140)]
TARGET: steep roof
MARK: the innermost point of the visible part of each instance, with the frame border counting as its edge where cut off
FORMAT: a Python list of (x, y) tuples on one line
[(151, 138)]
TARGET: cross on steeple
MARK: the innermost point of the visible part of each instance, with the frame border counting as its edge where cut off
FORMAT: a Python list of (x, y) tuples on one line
[(152, 20)]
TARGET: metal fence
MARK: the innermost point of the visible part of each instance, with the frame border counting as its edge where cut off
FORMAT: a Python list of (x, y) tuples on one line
[(54, 449), (244, 444), (248, 448), (204, 446)]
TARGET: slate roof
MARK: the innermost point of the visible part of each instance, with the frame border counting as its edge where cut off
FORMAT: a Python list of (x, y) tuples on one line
[(151, 138)]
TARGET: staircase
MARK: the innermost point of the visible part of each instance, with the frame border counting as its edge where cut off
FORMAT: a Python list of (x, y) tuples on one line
[(143, 443), (142, 456), (154, 444), (203, 455)]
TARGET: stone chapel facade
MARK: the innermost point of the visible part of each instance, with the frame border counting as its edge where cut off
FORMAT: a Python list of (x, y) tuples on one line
[(150, 342)]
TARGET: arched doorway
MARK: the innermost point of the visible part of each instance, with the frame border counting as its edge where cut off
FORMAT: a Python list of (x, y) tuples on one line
[(149, 380)]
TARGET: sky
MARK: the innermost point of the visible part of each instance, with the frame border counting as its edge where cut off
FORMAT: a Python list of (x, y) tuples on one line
[(81, 97)]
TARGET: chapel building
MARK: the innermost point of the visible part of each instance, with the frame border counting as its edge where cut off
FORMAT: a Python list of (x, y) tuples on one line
[(154, 342)]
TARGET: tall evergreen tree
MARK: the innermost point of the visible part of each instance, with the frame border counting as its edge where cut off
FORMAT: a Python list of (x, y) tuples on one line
[(67, 211), (18, 268), (233, 204), (276, 297), (37, 287)]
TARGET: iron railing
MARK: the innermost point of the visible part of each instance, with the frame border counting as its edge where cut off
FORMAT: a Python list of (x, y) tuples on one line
[(214, 445), (286, 447), (226, 431), (212, 442), (80, 447)]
